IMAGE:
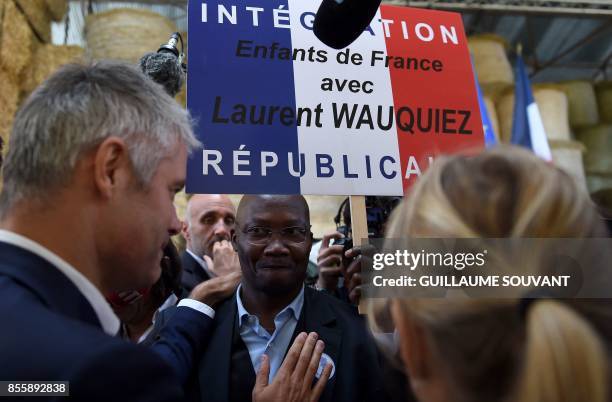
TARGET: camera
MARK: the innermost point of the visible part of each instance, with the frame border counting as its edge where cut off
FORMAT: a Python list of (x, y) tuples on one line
[(346, 242)]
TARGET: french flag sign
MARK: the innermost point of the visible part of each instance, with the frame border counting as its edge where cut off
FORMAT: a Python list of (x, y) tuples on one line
[(279, 112)]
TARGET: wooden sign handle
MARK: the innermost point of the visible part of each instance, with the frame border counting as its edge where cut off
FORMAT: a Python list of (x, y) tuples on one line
[(359, 220), (359, 224)]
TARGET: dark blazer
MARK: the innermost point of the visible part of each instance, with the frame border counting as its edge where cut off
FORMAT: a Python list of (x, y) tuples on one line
[(193, 273), (51, 332), (347, 342)]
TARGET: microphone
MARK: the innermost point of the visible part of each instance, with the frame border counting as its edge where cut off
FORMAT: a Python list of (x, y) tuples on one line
[(339, 22), (166, 67)]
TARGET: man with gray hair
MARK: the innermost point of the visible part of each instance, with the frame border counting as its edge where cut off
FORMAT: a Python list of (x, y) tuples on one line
[(96, 155)]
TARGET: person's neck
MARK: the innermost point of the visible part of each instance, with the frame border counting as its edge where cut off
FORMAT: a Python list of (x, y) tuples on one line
[(61, 231), (265, 306)]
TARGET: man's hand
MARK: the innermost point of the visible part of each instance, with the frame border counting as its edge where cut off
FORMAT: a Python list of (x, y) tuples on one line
[(224, 260), (293, 381), (329, 261), (216, 289), (353, 281)]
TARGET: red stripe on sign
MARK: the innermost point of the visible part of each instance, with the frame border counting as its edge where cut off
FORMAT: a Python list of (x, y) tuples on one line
[(434, 92)]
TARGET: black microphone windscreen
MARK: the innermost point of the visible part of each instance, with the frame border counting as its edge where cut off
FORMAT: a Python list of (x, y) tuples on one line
[(338, 24), (164, 68)]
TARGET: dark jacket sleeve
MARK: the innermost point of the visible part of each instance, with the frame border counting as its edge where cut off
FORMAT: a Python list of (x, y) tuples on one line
[(180, 336), (123, 372)]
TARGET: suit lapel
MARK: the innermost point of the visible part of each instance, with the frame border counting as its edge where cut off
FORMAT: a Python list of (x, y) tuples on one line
[(193, 270), (214, 370), (47, 282), (317, 316)]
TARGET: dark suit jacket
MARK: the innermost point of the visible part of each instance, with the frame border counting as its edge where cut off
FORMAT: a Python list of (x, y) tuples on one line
[(193, 273), (51, 332), (347, 342)]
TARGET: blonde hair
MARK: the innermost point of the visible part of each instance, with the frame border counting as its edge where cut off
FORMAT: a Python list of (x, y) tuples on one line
[(491, 351)]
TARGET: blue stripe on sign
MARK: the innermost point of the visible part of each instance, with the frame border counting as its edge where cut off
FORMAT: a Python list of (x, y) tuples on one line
[(218, 77)]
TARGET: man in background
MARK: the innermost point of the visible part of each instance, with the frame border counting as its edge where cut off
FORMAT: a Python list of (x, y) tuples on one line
[(272, 306), (208, 228), (138, 309)]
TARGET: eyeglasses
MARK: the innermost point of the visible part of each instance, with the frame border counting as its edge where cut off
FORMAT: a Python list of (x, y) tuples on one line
[(260, 235)]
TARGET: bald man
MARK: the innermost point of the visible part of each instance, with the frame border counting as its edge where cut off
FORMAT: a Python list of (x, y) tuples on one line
[(208, 228)]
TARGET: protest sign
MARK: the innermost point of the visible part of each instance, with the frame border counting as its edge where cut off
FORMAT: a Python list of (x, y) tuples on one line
[(278, 111)]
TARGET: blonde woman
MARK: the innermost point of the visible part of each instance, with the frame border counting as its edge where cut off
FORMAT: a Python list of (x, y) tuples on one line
[(541, 350)]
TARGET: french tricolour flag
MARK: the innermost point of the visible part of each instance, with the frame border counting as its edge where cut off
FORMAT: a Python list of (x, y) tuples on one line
[(487, 125), (279, 112), (527, 127)]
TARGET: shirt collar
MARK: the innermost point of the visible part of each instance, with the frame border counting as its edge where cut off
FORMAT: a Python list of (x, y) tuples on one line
[(170, 301), (295, 307), (202, 263), (109, 321)]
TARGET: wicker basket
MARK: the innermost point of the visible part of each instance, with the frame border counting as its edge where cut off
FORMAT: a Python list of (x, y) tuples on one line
[(46, 60), (552, 103), (567, 155), (582, 103), (598, 142), (126, 34), (9, 98), (505, 108), (15, 41), (39, 17), (57, 9), (491, 63), (603, 91)]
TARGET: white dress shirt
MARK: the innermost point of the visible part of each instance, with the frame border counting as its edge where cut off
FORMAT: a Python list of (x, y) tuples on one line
[(259, 341)]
